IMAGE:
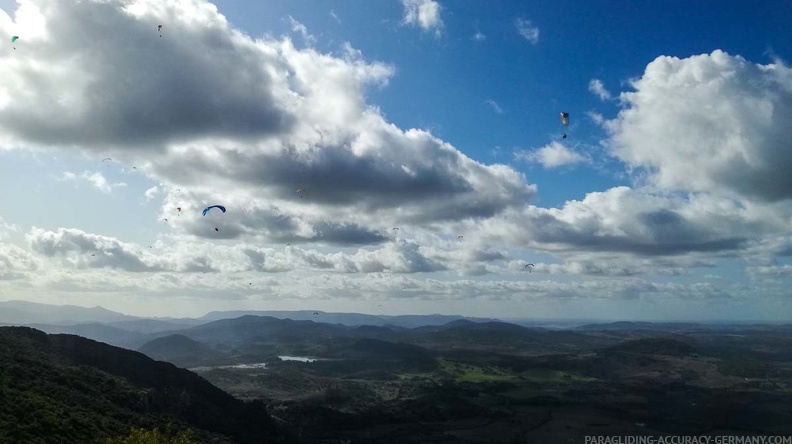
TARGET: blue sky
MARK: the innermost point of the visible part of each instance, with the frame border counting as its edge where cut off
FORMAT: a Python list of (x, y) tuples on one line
[(669, 199)]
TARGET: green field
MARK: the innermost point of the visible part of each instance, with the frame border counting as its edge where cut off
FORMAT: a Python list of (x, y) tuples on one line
[(460, 372)]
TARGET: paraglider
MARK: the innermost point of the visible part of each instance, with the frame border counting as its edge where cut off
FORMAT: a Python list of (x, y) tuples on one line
[(216, 229), (165, 219), (107, 159), (159, 29), (301, 191), (460, 237), (529, 269), (178, 209), (565, 119), (316, 313), (219, 207), (14, 39)]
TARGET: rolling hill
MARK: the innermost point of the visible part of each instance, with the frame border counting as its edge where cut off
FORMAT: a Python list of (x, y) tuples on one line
[(64, 388)]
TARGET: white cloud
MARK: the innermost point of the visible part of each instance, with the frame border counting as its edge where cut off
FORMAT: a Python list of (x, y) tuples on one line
[(282, 119), (712, 122), (639, 222), (302, 30), (596, 117), (335, 16), (15, 262), (553, 155), (527, 30), (478, 37), (598, 89), (96, 179), (423, 13), (151, 192), (495, 106), (772, 271)]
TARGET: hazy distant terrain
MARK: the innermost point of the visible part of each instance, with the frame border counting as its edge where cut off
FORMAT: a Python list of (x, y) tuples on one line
[(418, 379)]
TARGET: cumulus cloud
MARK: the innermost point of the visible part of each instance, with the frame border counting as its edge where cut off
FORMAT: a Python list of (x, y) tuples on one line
[(83, 249), (478, 37), (96, 179), (423, 13), (712, 122), (553, 155), (15, 262), (596, 87), (494, 105), (527, 30), (626, 220), (282, 119)]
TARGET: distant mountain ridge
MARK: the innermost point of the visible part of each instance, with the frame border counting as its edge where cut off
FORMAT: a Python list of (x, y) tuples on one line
[(23, 312), (348, 319)]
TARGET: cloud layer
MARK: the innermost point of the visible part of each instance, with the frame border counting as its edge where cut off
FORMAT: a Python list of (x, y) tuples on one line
[(283, 119), (705, 139)]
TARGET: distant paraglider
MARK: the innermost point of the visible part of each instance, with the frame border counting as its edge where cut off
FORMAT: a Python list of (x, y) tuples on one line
[(14, 39), (159, 29), (219, 207), (108, 160), (460, 237), (529, 269), (301, 191)]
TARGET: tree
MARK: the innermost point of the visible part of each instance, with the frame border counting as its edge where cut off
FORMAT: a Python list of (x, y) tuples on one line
[(143, 436)]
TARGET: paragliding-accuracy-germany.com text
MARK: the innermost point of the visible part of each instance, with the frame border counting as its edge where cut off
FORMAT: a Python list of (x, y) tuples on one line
[(688, 440)]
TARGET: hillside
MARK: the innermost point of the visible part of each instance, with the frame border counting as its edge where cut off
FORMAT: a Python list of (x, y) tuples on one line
[(64, 388), (181, 351)]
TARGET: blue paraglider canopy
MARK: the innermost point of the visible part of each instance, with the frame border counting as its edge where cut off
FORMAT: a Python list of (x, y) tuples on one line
[(206, 210)]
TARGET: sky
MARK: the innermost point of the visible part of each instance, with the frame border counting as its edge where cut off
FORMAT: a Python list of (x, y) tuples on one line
[(426, 143)]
